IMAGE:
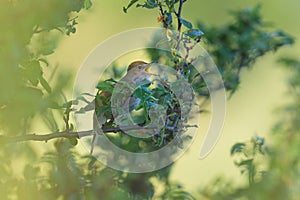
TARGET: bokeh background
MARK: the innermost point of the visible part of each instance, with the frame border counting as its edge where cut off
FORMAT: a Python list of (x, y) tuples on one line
[(250, 111)]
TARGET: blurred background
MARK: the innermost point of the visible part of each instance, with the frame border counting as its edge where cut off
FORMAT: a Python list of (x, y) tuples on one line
[(251, 111)]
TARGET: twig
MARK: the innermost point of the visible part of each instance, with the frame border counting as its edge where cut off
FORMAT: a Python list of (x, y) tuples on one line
[(178, 14), (179, 24), (46, 137), (172, 128), (66, 134), (188, 49), (39, 31), (163, 15), (66, 119), (76, 17)]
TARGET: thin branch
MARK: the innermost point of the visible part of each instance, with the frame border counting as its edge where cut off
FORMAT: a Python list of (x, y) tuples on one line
[(179, 24), (66, 134), (76, 17), (188, 49), (80, 134), (172, 128), (43, 30), (39, 31), (165, 24), (178, 14), (46, 137)]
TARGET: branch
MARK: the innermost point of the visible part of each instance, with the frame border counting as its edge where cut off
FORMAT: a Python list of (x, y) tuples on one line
[(80, 134), (66, 134), (165, 24), (178, 15), (46, 137)]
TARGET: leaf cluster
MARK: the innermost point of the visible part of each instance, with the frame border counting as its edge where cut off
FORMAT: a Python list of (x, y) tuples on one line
[(157, 95), (27, 38), (240, 43)]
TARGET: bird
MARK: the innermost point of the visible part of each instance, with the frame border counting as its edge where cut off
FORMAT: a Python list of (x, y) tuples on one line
[(137, 74)]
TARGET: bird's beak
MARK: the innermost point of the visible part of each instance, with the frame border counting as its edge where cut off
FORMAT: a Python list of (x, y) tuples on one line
[(148, 67)]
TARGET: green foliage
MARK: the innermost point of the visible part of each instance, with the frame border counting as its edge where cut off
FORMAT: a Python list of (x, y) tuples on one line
[(247, 155), (186, 23), (240, 43), (177, 192), (234, 46), (27, 38), (149, 98), (182, 38), (280, 178)]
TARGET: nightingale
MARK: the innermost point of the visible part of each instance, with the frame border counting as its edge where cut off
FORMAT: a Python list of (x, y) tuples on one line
[(137, 74)]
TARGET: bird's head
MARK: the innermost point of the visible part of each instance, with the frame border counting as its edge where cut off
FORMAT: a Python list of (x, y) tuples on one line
[(137, 72), (139, 67)]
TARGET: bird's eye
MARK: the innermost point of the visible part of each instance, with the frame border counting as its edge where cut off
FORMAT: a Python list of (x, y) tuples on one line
[(140, 66)]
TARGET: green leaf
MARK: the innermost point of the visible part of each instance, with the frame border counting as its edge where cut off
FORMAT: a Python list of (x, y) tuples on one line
[(105, 86), (47, 47), (45, 84), (33, 72), (131, 3), (111, 80), (87, 4), (49, 120), (33, 92), (246, 163), (70, 103), (53, 105), (237, 148), (186, 23), (170, 3), (73, 141), (81, 98), (194, 33), (92, 162), (150, 4), (142, 93), (169, 19), (70, 29), (45, 61)]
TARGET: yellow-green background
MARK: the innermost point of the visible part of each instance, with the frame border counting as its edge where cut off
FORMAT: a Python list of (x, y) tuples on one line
[(250, 110)]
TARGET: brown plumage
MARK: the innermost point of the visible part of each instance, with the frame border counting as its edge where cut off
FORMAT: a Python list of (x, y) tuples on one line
[(135, 64), (137, 72)]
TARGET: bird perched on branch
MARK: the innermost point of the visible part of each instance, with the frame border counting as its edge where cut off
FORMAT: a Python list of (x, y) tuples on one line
[(137, 73)]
